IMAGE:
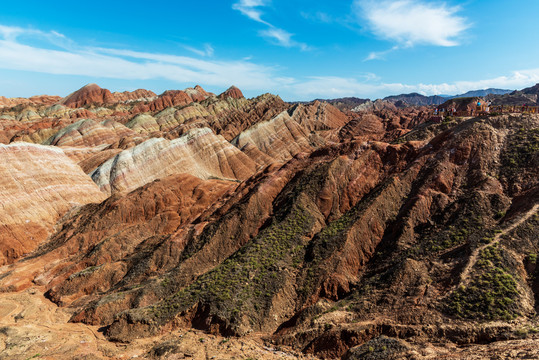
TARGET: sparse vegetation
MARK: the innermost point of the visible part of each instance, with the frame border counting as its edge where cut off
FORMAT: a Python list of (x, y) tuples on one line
[(525, 331), (249, 278), (89, 270), (521, 149), (456, 234), (491, 295)]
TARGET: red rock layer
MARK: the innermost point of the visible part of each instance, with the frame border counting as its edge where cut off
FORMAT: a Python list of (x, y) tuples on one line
[(168, 99), (198, 93), (89, 94), (232, 92)]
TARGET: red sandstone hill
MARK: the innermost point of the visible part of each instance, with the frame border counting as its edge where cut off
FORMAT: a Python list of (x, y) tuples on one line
[(93, 94), (367, 234), (232, 92), (86, 95)]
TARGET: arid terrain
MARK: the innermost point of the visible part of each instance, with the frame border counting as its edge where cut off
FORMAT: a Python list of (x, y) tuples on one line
[(204, 226)]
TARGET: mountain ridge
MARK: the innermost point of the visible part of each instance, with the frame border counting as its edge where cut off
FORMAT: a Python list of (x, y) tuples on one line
[(258, 224)]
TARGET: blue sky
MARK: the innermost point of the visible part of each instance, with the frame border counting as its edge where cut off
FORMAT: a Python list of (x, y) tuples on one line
[(299, 49)]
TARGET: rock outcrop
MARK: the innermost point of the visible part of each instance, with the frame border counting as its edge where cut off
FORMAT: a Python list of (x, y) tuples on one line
[(93, 94), (375, 106), (174, 98)]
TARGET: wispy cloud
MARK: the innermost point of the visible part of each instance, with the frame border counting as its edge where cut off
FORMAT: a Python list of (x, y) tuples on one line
[(372, 87), (54, 38), (207, 50), (413, 22), (15, 54), (380, 55), (282, 38), (277, 36), (11, 32), (318, 16), (251, 9), (127, 64)]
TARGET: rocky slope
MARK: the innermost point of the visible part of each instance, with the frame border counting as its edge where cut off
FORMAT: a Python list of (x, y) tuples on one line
[(371, 234), (527, 96)]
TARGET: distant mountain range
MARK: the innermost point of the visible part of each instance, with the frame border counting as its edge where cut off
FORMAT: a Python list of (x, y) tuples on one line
[(529, 96), (415, 99), (481, 93), (422, 100)]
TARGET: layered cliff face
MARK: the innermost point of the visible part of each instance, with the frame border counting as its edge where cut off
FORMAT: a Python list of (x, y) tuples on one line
[(337, 235), (199, 152), (39, 185), (88, 132)]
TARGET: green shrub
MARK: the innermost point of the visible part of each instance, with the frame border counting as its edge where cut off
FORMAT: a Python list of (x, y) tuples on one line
[(491, 295)]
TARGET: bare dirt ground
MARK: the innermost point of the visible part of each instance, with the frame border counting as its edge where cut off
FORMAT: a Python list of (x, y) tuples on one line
[(31, 327), (500, 350)]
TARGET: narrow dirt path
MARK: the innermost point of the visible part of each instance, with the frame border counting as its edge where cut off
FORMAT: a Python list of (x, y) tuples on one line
[(465, 275)]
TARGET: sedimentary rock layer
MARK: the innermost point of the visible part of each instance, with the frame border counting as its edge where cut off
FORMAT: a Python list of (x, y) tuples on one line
[(39, 184), (199, 152)]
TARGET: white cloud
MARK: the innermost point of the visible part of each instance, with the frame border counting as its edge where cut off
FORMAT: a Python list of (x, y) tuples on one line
[(411, 22), (375, 55), (372, 87), (127, 64), (135, 65), (380, 55), (208, 50), (283, 38), (318, 16), (10, 32), (516, 80), (250, 8)]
